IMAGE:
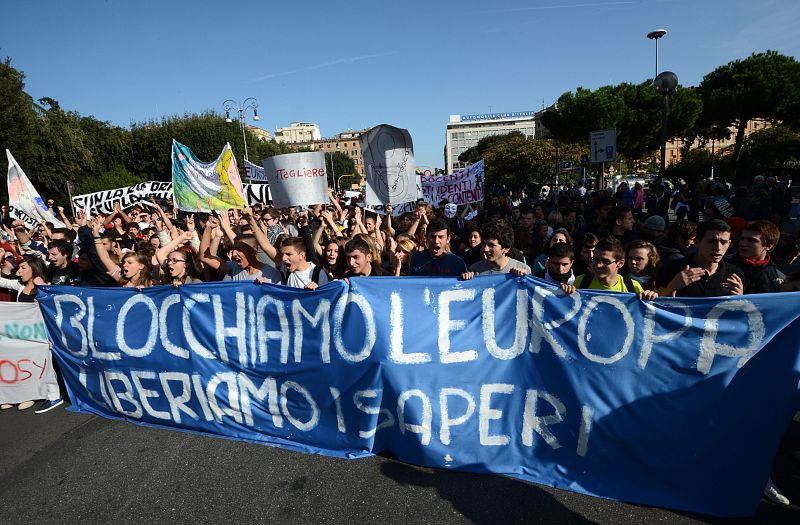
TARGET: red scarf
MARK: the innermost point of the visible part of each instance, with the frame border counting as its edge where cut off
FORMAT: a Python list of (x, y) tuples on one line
[(752, 262)]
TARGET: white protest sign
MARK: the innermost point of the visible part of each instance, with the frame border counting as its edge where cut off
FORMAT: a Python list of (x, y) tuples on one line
[(389, 161), (297, 179), (460, 187), (26, 367)]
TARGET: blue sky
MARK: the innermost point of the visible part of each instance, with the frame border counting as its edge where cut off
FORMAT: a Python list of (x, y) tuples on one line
[(355, 64)]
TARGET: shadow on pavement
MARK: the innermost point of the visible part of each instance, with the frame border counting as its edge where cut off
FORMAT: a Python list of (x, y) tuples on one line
[(476, 496)]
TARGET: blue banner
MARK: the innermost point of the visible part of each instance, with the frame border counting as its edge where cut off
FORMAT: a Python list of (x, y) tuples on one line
[(677, 404)]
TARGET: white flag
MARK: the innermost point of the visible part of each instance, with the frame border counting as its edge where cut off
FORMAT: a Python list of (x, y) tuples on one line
[(23, 199)]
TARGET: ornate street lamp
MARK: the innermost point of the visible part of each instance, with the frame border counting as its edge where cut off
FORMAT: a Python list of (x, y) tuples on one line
[(248, 103)]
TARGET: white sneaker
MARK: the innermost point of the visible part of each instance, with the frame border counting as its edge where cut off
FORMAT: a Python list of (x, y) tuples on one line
[(26, 405), (774, 495), (5, 406)]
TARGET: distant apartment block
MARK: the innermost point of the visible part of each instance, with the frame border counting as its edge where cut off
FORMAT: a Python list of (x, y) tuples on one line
[(346, 142), (464, 131), (262, 134), (297, 132)]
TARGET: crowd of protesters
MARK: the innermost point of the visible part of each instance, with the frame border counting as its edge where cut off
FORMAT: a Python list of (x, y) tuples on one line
[(663, 239)]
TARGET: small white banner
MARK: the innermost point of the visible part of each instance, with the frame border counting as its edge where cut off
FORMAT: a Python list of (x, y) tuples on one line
[(26, 367), (460, 187), (297, 179)]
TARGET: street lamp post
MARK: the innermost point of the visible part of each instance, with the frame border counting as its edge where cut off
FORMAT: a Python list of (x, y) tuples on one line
[(248, 103), (655, 35), (664, 84)]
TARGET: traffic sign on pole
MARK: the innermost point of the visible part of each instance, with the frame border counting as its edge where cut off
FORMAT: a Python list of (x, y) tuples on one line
[(603, 145), (566, 165)]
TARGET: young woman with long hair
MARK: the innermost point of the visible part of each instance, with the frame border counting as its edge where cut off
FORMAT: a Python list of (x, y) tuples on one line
[(641, 258)]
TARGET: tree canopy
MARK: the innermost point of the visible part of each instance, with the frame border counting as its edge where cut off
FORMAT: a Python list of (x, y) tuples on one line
[(764, 85), (634, 110)]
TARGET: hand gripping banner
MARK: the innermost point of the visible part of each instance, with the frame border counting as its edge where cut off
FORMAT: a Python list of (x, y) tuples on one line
[(677, 404)]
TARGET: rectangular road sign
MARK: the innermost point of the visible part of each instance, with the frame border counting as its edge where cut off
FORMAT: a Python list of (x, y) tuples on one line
[(566, 165), (603, 145)]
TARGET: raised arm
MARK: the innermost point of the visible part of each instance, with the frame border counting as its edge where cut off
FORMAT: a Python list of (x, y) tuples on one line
[(111, 267), (261, 237), (206, 257), (171, 246)]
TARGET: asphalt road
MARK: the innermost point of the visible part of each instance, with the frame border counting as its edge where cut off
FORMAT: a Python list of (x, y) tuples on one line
[(63, 467)]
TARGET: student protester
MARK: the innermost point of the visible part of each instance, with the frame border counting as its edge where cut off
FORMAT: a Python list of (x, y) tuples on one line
[(62, 269), (758, 240), (608, 260), (558, 267), (436, 260), (8, 270), (358, 256), (400, 257), (541, 234), (584, 259), (705, 273), (31, 273), (182, 267), (243, 264), (136, 270), (679, 242), (297, 272), (560, 236), (471, 246), (333, 258), (498, 238), (652, 230), (620, 223), (642, 263)]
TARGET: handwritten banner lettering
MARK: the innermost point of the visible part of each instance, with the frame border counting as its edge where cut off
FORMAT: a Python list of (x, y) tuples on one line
[(603, 394)]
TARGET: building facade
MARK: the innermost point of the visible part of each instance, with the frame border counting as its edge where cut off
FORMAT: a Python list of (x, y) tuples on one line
[(347, 142), (464, 131), (675, 145), (262, 134), (298, 132)]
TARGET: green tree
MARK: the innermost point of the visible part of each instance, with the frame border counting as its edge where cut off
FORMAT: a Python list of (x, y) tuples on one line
[(475, 153), (520, 161), (634, 110), (117, 177), (17, 115), (764, 85), (338, 165), (206, 134)]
